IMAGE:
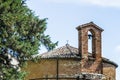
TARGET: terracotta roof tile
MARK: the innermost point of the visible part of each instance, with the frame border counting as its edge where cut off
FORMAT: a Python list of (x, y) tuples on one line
[(64, 51)]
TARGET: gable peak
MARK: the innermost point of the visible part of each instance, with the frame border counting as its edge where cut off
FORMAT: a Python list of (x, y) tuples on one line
[(89, 24)]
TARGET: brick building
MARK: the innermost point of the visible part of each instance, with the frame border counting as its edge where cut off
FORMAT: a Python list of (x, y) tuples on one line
[(72, 63)]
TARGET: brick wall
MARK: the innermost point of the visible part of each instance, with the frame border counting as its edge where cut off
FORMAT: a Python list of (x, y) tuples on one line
[(96, 47)]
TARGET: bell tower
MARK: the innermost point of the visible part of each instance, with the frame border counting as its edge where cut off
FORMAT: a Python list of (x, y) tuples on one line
[(84, 36)]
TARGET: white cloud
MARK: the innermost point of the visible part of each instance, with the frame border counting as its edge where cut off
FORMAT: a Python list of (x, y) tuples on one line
[(103, 3)]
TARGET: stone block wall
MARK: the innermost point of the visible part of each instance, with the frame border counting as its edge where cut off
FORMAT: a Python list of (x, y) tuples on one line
[(109, 71), (48, 67), (67, 67)]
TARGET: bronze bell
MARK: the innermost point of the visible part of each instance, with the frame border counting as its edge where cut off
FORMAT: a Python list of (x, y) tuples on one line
[(89, 36)]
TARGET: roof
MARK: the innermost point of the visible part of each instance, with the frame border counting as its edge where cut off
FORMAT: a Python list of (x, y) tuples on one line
[(68, 51), (89, 24)]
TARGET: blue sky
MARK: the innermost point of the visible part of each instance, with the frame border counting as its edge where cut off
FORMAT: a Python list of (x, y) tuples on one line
[(65, 15)]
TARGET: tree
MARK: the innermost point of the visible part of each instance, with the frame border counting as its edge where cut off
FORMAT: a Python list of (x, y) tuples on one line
[(21, 35)]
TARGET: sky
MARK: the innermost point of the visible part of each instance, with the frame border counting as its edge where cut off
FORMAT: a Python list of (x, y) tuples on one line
[(65, 15)]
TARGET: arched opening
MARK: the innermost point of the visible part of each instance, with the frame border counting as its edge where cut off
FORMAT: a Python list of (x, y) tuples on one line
[(90, 40)]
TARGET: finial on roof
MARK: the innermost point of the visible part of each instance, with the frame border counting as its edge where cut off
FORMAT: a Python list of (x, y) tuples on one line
[(67, 42), (91, 22)]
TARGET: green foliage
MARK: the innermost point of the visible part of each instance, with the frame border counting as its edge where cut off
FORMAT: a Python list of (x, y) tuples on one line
[(10, 73), (21, 34)]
